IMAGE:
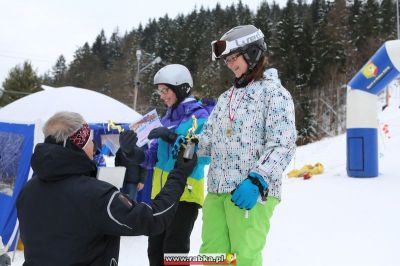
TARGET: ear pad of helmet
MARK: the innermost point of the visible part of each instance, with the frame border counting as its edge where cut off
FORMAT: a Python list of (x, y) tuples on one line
[(252, 55)]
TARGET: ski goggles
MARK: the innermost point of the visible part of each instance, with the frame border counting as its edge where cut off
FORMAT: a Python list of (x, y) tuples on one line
[(222, 48)]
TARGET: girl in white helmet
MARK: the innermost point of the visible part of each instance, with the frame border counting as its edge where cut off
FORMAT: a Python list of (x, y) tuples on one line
[(250, 137), (174, 86)]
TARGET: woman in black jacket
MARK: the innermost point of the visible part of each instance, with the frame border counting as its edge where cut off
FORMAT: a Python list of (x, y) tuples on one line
[(68, 217)]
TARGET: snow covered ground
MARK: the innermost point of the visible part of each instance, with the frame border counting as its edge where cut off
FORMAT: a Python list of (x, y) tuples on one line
[(330, 219)]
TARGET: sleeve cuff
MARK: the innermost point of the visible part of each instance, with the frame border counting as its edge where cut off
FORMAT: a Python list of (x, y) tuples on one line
[(260, 178)]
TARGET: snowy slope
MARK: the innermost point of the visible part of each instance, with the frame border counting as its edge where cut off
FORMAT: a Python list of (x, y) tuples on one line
[(335, 220), (330, 219)]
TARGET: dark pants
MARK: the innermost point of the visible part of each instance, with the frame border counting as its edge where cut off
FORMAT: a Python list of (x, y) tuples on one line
[(176, 238), (130, 189)]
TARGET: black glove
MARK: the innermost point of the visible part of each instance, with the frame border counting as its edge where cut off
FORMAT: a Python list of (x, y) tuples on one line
[(135, 157), (5, 260), (186, 166), (163, 133), (127, 141)]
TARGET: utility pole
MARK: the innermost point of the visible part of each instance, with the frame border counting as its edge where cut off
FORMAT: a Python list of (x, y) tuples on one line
[(138, 57), (140, 70), (398, 30)]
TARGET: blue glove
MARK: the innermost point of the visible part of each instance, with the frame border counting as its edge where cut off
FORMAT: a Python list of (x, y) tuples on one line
[(164, 133), (177, 145), (246, 194)]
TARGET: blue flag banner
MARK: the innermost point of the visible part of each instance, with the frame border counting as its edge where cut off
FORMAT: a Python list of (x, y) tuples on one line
[(376, 74)]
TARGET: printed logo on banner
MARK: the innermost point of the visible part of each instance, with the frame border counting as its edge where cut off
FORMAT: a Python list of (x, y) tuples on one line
[(379, 77), (370, 70)]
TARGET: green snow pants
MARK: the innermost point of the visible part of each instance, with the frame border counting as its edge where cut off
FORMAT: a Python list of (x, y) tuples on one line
[(228, 229)]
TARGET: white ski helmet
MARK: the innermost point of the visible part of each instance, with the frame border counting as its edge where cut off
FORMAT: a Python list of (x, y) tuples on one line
[(245, 39), (177, 77)]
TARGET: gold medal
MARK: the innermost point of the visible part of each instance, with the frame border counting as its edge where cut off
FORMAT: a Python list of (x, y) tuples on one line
[(229, 132)]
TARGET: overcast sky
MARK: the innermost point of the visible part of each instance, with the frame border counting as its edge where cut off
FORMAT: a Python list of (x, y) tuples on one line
[(41, 30)]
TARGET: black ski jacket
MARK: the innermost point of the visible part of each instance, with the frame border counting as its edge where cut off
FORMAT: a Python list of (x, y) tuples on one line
[(68, 217)]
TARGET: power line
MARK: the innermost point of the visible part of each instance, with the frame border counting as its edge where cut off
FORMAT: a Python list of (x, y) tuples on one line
[(26, 58)]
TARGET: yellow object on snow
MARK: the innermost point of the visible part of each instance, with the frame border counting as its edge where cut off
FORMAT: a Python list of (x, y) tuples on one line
[(20, 245), (307, 171)]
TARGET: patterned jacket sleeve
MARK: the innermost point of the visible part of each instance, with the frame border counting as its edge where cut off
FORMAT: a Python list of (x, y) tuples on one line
[(280, 137), (206, 136)]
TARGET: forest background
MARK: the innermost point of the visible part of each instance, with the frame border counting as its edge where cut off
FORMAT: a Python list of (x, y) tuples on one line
[(317, 48)]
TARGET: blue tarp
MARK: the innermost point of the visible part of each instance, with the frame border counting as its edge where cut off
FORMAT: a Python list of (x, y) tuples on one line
[(16, 144)]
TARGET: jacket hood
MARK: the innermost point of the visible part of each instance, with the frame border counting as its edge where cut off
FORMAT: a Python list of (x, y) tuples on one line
[(185, 108), (52, 162), (272, 74)]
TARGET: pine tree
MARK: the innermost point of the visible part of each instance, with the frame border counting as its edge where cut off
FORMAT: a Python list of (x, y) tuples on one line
[(101, 51), (264, 22), (151, 36), (304, 52), (21, 80), (167, 38), (319, 41), (231, 18), (355, 25), (114, 47), (370, 17), (245, 16), (218, 17), (336, 31), (387, 20), (85, 69), (59, 70), (369, 29), (287, 36)]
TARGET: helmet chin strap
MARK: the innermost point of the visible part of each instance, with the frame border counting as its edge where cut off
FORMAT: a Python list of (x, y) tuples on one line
[(243, 80)]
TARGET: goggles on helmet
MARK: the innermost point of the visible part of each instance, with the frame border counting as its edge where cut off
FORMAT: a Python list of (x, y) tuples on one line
[(222, 48)]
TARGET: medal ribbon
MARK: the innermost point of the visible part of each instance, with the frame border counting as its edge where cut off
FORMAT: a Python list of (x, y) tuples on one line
[(231, 113)]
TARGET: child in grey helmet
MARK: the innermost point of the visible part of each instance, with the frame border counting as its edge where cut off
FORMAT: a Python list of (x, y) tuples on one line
[(250, 137)]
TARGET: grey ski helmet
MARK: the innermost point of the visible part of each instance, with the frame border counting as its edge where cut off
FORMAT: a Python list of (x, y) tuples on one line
[(245, 39), (177, 77)]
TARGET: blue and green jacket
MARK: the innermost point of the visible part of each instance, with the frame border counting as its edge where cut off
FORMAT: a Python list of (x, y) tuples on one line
[(159, 155)]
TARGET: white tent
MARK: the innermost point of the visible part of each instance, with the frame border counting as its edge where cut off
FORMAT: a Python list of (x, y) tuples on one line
[(93, 106)]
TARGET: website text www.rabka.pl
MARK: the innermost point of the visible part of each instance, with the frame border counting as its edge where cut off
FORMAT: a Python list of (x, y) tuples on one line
[(199, 259)]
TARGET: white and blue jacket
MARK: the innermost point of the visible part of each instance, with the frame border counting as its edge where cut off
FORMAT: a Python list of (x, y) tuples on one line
[(263, 139)]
